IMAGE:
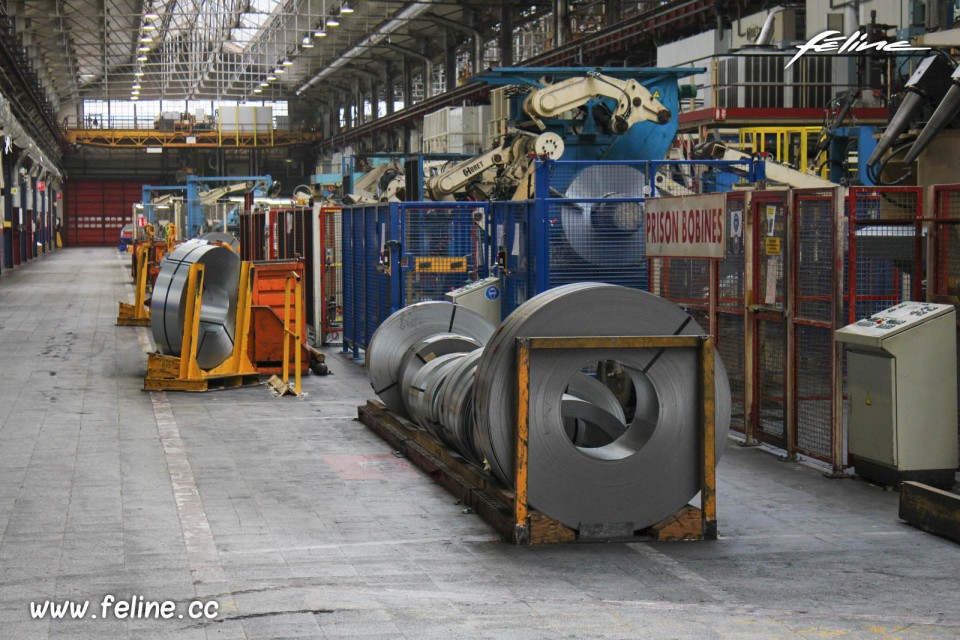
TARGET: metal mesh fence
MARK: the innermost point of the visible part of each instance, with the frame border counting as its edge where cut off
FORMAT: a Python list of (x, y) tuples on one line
[(509, 234), (771, 369), (814, 256), (331, 276), (597, 240), (814, 348), (379, 269), (366, 278), (443, 248), (770, 288), (885, 252), (813, 319), (253, 235), (944, 282), (290, 237), (396, 254), (730, 344)]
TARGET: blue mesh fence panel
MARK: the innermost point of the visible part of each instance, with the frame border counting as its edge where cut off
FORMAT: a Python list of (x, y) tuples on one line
[(597, 240), (510, 245), (347, 219), (443, 248)]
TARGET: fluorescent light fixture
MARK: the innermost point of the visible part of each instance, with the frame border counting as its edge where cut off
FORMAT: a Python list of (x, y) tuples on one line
[(287, 62), (258, 90), (333, 22), (135, 92), (155, 150), (271, 78), (138, 73), (149, 27), (279, 70), (143, 48), (150, 15), (146, 38), (86, 76), (264, 84), (319, 33), (142, 58), (345, 8), (136, 85), (307, 42), (134, 98)]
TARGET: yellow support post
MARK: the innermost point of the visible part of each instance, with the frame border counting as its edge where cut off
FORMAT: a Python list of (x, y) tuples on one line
[(137, 314), (191, 323), (708, 455), (521, 515), (282, 385)]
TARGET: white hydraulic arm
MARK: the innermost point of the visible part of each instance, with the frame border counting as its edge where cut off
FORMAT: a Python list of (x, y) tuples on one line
[(449, 182), (211, 196), (635, 103), (365, 189), (775, 172)]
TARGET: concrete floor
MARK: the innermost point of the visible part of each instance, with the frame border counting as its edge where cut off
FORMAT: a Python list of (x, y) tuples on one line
[(299, 522)]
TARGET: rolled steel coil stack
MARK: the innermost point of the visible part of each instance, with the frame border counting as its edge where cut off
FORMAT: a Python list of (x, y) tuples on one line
[(614, 433)]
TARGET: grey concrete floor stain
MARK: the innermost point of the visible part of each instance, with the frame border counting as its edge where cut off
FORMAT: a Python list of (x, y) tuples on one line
[(314, 542)]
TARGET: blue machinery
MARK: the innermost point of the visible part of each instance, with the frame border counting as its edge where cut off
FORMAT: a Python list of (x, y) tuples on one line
[(588, 138), (260, 185), (400, 253)]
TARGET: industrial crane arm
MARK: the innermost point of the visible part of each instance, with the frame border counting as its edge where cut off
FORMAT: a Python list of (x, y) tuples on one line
[(455, 179), (634, 101), (365, 189), (212, 195), (775, 172)]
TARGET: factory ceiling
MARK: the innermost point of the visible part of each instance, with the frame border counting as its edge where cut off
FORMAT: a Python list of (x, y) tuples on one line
[(226, 49)]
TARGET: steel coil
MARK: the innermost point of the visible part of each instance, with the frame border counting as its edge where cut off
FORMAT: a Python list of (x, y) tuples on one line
[(648, 471), (407, 327), (456, 407), (218, 309), (605, 233), (223, 237), (423, 394), (426, 350)]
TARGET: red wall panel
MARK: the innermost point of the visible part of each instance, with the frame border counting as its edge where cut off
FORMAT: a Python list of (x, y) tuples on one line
[(96, 210)]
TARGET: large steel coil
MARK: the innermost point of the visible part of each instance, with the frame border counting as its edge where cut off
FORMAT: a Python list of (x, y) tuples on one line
[(605, 233), (406, 328), (613, 433), (218, 309), (651, 469)]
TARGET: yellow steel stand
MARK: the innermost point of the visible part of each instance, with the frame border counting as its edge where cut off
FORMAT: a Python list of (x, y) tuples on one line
[(282, 387), (171, 231), (183, 373), (137, 314), (689, 523)]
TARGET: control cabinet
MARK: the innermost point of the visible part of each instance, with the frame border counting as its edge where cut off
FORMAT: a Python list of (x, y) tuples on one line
[(902, 393), (482, 296)]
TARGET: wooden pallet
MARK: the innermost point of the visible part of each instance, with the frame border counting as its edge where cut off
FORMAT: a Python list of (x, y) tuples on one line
[(492, 501), (933, 510)]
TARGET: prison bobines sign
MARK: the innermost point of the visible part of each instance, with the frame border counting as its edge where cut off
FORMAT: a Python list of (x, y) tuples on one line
[(686, 226)]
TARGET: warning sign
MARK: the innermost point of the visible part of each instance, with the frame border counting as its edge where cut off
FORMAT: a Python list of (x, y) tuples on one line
[(686, 226), (656, 94), (771, 246)]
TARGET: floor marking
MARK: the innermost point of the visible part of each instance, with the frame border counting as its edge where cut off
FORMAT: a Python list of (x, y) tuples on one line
[(687, 576), (202, 554), (368, 543)]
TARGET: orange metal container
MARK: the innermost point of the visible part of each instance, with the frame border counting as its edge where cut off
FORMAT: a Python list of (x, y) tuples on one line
[(266, 345)]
